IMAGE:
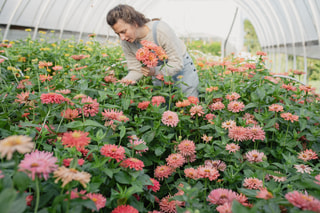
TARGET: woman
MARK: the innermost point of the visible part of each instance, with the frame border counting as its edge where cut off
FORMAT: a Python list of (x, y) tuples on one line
[(133, 27)]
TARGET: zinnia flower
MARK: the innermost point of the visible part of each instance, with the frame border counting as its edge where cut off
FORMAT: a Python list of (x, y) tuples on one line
[(255, 133), (132, 163), (303, 201), (163, 172), (307, 155), (289, 117), (233, 96), (263, 193), (238, 133), (228, 124), (235, 106), (170, 118), (175, 160), (168, 204), (38, 163), (208, 172), (157, 100), (98, 199), (221, 196), (232, 147), (254, 156), (225, 208), (276, 108), (187, 147), (252, 183), (125, 209), (52, 98), (76, 139), (155, 185), (90, 107), (19, 143), (193, 100), (196, 110), (113, 151), (191, 173), (67, 175), (143, 105), (303, 168), (217, 106), (70, 114)]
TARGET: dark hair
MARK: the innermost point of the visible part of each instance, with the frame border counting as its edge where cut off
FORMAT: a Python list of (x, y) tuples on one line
[(128, 14)]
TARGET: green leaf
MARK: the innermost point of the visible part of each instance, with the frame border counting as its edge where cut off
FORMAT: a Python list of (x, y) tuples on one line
[(122, 131), (144, 128), (159, 150), (270, 123), (251, 105), (303, 124), (261, 93), (74, 124), (7, 197), (93, 123), (148, 136), (123, 177), (21, 181), (108, 172), (19, 205)]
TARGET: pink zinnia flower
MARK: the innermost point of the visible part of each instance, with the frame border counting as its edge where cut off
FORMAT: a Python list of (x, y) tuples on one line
[(225, 208), (114, 115), (170, 118), (125, 209), (113, 151), (208, 172), (57, 67), (23, 98), (175, 160), (276, 108), (233, 96), (278, 178), (263, 193), (187, 147), (44, 78), (238, 133), (317, 177), (157, 100), (76, 139), (143, 105), (307, 155), (221, 196), (66, 162), (168, 204), (70, 114), (289, 117), (255, 133), (254, 156), (163, 172), (38, 163), (303, 201), (191, 173), (206, 138), (155, 185), (90, 107), (217, 164), (228, 124), (303, 168), (217, 106), (196, 110), (252, 183), (132, 163), (135, 141), (98, 199), (52, 98), (236, 106), (232, 147)]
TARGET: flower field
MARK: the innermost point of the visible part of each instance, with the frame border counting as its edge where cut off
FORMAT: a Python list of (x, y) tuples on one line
[(75, 138)]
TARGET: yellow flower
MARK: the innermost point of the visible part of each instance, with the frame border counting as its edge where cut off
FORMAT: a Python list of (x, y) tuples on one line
[(20, 143), (28, 30), (27, 77), (42, 32), (53, 44), (67, 175), (67, 55)]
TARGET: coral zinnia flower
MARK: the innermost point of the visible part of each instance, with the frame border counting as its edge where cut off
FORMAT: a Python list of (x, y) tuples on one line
[(289, 117), (157, 100), (175, 160), (67, 175), (303, 168), (206, 138), (113, 151), (221, 196), (225, 208), (163, 172), (23, 98), (193, 100), (307, 154), (52, 98), (238, 133), (38, 163), (263, 193), (232, 147), (276, 108), (208, 172), (70, 114), (255, 133), (183, 103), (170, 118), (168, 204), (196, 110), (19, 143), (233, 96), (132, 163), (76, 139), (125, 209), (278, 178), (187, 148), (216, 106), (191, 173), (90, 107), (98, 199), (254, 156), (155, 185), (228, 124), (252, 183), (303, 201), (236, 106), (143, 105)]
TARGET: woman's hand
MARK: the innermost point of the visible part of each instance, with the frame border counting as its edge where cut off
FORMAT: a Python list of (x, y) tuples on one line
[(147, 71)]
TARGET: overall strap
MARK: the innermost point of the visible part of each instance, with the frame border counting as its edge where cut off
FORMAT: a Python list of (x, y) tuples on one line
[(154, 32)]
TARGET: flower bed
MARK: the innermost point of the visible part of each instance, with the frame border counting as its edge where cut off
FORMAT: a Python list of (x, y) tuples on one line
[(75, 138)]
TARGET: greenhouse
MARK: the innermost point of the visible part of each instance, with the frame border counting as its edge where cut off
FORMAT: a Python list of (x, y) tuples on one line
[(159, 106)]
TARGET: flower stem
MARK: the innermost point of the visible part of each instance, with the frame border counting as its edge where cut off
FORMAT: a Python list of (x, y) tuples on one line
[(37, 195)]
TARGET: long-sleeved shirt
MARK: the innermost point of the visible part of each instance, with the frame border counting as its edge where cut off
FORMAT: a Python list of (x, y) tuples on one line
[(168, 40)]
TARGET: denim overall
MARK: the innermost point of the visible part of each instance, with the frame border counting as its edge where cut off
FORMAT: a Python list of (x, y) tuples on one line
[(188, 74)]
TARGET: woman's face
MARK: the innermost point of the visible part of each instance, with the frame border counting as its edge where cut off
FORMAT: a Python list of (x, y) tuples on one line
[(126, 32)]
